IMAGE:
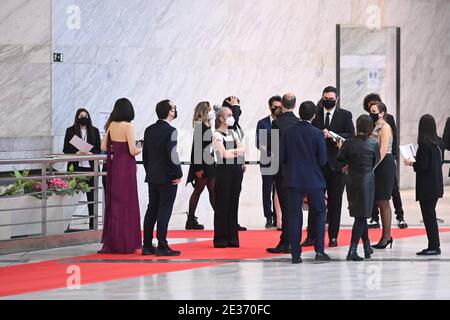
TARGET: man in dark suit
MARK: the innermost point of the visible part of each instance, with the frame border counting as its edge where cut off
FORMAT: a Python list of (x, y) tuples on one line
[(330, 117), (446, 137), (163, 174), (284, 122), (396, 198), (303, 153), (263, 143)]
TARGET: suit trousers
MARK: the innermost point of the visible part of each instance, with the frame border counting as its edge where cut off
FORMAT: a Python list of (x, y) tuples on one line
[(335, 188), (317, 202), (283, 195), (159, 210), (267, 191), (428, 208)]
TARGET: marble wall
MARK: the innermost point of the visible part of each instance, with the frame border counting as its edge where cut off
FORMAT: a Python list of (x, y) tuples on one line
[(196, 50), (25, 77)]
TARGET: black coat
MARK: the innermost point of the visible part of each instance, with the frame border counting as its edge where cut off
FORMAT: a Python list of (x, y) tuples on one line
[(204, 144), (342, 124), (361, 155), (428, 168), (391, 121), (159, 154), (446, 137), (284, 122), (93, 138)]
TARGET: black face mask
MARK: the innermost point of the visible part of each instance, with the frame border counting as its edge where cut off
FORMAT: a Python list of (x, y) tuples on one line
[(375, 117), (83, 121), (329, 104), (175, 114)]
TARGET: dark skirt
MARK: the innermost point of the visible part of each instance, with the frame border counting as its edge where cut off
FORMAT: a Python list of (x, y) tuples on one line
[(384, 178)]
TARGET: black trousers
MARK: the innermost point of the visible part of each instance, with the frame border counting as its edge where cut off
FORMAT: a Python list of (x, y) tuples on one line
[(335, 188), (283, 196), (267, 194), (159, 210), (89, 195), (428, 208), (228, 190), (397, 201)]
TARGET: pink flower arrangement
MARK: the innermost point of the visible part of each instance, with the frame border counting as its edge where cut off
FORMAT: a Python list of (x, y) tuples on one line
[(38, 186), (58, 184)]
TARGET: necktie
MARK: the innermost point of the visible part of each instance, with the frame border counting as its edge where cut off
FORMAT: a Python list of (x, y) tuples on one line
[(327, 121)]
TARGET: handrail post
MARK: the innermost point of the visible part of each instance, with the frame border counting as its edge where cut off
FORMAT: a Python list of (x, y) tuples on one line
[(44, 199), (96, 171)]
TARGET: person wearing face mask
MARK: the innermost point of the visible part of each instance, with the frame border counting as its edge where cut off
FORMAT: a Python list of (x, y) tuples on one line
[(263, 143), (396, 197), (83, 128), (384, 172), (284, 122), (201, 170), (163, 174), (331, 117), (229, 172)]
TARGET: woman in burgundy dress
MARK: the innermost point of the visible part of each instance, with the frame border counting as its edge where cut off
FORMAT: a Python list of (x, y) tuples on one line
[(122, 221)]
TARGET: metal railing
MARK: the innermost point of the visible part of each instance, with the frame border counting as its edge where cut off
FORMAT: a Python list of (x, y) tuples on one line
[(46, 174)]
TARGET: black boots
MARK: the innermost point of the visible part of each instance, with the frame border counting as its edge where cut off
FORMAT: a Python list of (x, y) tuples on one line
[(353, 254), (192, 224), (367, 249)]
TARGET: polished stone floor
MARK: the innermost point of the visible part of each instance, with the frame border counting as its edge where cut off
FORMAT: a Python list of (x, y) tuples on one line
[(395, 273)]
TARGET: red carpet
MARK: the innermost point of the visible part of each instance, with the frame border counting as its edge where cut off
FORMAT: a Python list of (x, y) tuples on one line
[(53, 274)]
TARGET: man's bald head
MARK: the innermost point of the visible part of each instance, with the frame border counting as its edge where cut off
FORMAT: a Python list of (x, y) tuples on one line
[(289, 101)]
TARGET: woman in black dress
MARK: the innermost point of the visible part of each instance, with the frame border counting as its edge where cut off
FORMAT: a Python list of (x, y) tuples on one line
[(429, 180), (359, 156), (384, 172), (201, 170), (83, 128)]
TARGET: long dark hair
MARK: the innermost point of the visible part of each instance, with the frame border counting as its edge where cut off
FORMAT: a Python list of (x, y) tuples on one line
[(427, 131), (123, 111), (89, 126)]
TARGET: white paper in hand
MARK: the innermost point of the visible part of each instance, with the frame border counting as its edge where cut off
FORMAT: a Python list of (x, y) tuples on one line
[(80, 144), (335, 136), (408, 152)]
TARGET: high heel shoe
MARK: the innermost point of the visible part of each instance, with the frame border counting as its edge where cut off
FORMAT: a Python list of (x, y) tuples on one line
[(379, 245)]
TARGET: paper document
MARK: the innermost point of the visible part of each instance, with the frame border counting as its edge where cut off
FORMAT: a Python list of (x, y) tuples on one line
[(335, 136), (408, 152), (80, 144)]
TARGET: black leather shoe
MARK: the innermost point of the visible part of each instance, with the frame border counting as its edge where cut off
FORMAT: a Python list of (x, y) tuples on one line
[(192, 224), (333, 243), (166, 252), (296, 260), (429, 252), (233, 245), (148, 251), (241, 228), (353, 253), (281, 248), (402, 224), (269, 223), (372, 224), (322, 257), (308, 242)]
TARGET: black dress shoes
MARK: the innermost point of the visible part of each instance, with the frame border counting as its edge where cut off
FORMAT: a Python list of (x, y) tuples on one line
[(233, 245), (296, 260), (166, 252), (373, 224), (308, 242), (269, 223), (429, 252), (281, 248), (241, 228), (333, 242), (148, 251), (322, 257)]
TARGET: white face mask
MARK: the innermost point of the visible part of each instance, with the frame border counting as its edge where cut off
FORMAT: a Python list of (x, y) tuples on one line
[(230, 121), (211, 115)]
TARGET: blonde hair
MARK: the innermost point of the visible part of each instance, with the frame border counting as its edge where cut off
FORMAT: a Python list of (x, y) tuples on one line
[(201, 113)]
